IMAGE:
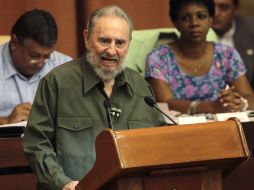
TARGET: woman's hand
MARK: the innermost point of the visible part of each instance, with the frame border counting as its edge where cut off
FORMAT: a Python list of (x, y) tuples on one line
[(231, 100)]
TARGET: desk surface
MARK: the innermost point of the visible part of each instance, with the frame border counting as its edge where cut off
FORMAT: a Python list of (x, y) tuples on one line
[(12, 156), (15, 171), (12, 153)]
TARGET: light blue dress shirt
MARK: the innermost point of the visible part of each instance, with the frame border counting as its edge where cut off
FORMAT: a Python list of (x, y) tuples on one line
[(14, 87)]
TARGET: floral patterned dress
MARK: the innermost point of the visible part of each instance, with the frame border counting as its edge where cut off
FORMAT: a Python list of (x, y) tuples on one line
[(227, 65)]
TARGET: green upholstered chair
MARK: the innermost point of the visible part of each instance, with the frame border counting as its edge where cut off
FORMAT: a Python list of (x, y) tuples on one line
[(143, 41), (4, 38)]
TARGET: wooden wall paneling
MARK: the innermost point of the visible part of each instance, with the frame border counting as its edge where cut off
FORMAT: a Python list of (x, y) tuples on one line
[(145, 13)]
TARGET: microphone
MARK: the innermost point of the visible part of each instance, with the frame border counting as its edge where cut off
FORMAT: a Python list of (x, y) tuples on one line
[(107, 106), (153, 104)]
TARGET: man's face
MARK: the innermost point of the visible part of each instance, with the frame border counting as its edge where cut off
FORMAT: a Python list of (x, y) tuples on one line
[(107, 46), (29, 57), (224, 15)]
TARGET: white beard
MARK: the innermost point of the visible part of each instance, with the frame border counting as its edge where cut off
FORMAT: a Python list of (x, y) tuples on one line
[(94, 61)]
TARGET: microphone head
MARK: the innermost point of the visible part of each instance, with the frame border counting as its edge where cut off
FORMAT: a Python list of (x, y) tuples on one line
[(107, 103), (150, 101)]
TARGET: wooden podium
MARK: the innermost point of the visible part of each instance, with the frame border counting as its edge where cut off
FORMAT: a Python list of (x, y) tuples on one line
[(181, 157)]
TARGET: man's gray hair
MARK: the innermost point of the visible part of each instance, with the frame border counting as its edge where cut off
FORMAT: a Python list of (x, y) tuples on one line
[(111, 10)]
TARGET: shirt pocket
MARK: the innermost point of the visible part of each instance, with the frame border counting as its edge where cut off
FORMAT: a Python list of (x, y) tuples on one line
[(75, 144), (74, 134), (8, 100), (139, 124), (75, 123)]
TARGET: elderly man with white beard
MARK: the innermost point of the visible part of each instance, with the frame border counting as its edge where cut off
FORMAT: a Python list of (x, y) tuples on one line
[(68, 111)]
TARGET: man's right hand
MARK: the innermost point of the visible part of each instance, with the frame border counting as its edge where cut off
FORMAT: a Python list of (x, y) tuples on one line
[(19, 113), (71, 185)]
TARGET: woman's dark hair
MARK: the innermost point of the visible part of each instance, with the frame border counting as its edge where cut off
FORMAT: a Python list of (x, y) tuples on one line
[(38, 25), (176, 5)]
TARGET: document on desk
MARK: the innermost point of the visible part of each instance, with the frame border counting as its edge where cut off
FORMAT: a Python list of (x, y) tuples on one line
[(191, 119), (202, 118), (18, 124), (242, 116), (13, 129), (179, 117)]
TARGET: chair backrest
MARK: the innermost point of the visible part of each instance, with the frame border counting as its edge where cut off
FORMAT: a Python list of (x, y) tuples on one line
[(4, 38), (143, 41)]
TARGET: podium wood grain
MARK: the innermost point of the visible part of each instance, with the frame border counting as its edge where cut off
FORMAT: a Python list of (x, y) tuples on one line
[(193, 156)]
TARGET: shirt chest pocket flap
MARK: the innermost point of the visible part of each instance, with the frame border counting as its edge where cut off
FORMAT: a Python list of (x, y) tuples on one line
[(75, 123)]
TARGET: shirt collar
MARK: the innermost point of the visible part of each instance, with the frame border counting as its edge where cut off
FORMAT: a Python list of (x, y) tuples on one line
[(228, 37), (8, 65), (91, 79)]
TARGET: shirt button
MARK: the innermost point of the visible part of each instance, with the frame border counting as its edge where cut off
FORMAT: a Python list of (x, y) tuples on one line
[(76, 126)]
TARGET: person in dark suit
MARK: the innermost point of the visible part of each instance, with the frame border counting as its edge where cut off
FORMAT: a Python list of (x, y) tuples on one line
[(236, 31)]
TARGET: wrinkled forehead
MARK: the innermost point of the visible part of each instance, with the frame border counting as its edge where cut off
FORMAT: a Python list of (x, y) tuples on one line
[(111, 25)]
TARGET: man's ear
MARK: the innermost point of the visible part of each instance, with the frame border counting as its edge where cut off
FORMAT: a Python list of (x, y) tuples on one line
[(14, 42), (86, 38)]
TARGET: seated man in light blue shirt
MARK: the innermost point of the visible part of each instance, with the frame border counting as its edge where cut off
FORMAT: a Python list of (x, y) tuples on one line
[(27, 57)]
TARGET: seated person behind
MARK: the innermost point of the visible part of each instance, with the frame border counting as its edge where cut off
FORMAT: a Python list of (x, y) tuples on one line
[(68, 111), (191, 74), (237, 31), (27, 57)]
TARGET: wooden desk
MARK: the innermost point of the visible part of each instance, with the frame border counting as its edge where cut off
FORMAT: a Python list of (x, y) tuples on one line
[(242, 178), (15, 172)]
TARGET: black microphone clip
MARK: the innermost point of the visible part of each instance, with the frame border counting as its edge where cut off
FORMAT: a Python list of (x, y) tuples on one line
[(153, 104), (115, 113)]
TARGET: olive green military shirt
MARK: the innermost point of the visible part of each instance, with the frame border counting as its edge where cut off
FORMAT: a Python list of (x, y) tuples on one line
[(68, 113)]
